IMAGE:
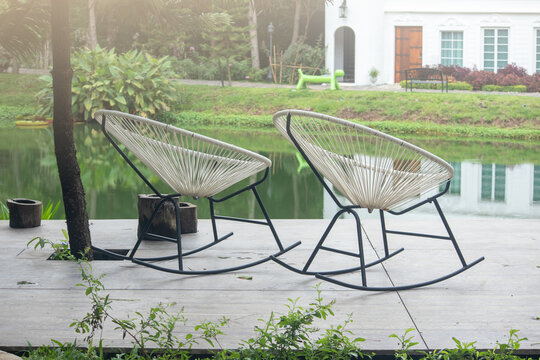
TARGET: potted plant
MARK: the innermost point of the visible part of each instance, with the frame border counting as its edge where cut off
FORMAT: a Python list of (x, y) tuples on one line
[(373, 74)]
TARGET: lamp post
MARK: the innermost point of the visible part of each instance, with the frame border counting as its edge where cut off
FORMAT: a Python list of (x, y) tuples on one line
[(343, 9), (270, 32)]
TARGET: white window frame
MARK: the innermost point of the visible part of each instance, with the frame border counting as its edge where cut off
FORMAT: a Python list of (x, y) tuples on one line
[(495, 47), (537, 50), (452, 58)]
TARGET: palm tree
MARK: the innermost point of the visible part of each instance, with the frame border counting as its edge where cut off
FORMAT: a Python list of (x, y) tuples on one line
[(21, 26)]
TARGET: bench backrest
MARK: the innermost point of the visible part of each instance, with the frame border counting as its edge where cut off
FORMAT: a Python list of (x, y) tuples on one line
[(424, 74)]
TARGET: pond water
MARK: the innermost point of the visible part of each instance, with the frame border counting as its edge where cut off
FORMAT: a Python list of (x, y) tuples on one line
[(491, 178)]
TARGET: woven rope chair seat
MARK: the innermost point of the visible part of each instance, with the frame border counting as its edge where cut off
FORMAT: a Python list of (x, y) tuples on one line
[(191, 164), (371, 169)]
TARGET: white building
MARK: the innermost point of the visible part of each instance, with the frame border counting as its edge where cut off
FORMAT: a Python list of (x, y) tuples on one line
[(394, 35)]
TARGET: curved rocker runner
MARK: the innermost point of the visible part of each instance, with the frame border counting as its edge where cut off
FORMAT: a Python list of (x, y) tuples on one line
[(372, 170), (192, 165)]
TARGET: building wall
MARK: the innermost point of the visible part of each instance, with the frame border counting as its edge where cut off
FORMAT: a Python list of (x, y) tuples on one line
[(374, 25)]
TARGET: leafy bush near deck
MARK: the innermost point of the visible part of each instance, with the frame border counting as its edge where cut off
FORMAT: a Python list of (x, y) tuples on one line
[(132, 82), (288, 336)]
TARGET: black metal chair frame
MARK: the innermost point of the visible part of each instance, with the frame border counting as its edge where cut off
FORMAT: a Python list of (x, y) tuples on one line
[(351, 209), (164, 198)]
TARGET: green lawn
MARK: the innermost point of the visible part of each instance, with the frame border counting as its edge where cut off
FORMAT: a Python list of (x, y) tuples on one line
[(453, 114), (457, 115)]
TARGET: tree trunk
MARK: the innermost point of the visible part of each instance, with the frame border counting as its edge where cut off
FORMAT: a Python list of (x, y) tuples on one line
[(296, 23), (255, 62), (15, 65), (64, 147), (91, 40), (310, 10), (110, 29)]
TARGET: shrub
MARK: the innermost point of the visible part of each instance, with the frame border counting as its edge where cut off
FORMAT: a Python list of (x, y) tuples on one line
[(132, 82), (510, 88), (480, 78), (457, 72), (532, 82), (511, 75), (507, 79), (208, 69), (513, 69), (304, 56), (10, 113), (458, 85)]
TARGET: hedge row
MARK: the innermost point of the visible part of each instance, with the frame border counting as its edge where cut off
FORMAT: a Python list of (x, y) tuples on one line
[(511, 75), (458, 85)]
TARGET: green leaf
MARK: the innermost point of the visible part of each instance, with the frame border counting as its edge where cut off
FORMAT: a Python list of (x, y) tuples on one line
[(121, 99), (245, 277)]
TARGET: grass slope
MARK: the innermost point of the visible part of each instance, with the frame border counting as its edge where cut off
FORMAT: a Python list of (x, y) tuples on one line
[(461, 115), (453, 114)]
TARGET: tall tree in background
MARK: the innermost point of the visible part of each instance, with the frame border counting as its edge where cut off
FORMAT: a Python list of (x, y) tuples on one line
[(252, 16), (64, 146), (296, 21), (310, 9), (91, 34)]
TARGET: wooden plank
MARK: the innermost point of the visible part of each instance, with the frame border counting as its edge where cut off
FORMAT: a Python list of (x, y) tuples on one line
[(39, 298)]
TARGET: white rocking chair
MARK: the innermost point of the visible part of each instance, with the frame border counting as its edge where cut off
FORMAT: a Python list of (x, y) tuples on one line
[(192, 165), (372, 170)]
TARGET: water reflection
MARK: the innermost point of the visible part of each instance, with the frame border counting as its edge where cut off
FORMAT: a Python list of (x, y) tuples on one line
[(28, 169), (482, 189)]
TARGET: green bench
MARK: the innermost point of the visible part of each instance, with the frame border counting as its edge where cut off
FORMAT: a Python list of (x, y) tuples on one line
[(319, 79)]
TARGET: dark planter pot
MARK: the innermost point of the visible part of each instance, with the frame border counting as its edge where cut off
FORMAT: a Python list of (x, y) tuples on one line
[(24, 213), (164, 222)]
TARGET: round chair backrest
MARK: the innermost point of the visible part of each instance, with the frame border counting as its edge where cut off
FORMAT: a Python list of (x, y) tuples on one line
[(370, 168), (191, 164)]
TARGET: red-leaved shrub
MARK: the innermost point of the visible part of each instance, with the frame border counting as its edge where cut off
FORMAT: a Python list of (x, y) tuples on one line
[(511, 75), (532, 82), (508, 79), (513, 69), (480, 78), (455, 71)]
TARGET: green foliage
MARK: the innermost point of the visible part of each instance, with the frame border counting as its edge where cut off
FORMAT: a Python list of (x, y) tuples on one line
[(4, 211), (227, 40), (509, 88), (458, 85), (207, 69), (132, 82), (157, 327), (18, 90), (291, 336), (61, 249), (50, 210), (468, 115), (64, 351), (309, 58), (8, 114), (405, 343)]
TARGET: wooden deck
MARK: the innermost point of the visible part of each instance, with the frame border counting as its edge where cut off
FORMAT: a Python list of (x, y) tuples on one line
[(39, 298)]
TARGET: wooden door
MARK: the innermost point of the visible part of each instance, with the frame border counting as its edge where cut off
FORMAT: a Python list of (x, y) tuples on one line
[(408, 50)]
